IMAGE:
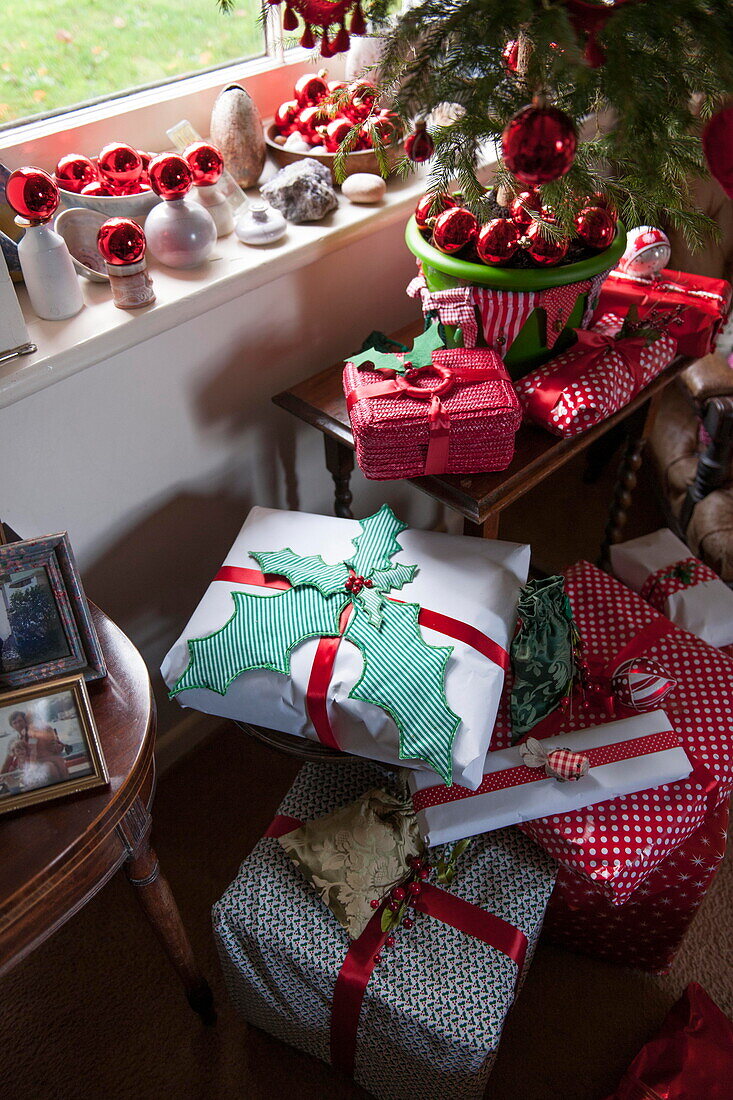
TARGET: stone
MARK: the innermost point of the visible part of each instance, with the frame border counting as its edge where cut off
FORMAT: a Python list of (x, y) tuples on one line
[(236, 130), (296, 143), (364, 187), (303, 192)]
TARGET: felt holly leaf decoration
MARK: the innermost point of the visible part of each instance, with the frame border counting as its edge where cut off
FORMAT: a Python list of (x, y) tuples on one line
[(420, 355)]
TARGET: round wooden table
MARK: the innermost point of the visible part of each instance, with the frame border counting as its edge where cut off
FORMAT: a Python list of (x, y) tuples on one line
[(57, 855)]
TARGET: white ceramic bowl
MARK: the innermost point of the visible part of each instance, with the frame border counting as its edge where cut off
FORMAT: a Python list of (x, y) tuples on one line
[(79, 227), (113, 206)]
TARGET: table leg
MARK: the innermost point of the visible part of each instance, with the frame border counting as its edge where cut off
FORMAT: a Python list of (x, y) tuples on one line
[(340, 463), (157, 901), (640, 425), (489, 529)]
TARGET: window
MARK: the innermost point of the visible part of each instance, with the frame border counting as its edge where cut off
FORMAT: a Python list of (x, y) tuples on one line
[(57, 54)]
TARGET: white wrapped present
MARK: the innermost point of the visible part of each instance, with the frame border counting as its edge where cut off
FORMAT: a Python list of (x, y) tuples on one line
[(661, 569), (622, 757), (424, 1021), (385, 642)]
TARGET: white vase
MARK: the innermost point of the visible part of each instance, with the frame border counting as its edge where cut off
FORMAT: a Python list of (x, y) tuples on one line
[(48, 272), (180, 233), (261, 224), (220, 209)]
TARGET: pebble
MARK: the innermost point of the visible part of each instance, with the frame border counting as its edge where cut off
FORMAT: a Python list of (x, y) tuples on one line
[(303, 192), (364, 187), (296, 143)]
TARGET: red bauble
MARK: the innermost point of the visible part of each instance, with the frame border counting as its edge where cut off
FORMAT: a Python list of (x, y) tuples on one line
[(510, 54), (454, 229), (717, 144), (336, 131), (387, 124), (286, 117), (311, 120), (595, 227), (419, 146), (32, 194), (539, 144), (362, 97), (545, 250), (170, 176), (206, 163), (75, 171), (519, 208), (498, 241), (641, 684), (96, 187), (310, 89), (429, 206), (604, 201), (121, 241), (120, 163), (336, 86)]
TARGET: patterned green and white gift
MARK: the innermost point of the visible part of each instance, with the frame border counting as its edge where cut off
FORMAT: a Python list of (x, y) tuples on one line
[(427, 1019), (370, 637)]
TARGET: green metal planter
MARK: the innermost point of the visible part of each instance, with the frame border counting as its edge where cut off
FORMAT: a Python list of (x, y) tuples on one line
[(529, 349)]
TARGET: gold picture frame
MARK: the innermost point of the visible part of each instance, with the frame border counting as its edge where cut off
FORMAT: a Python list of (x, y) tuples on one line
[(49, 744)]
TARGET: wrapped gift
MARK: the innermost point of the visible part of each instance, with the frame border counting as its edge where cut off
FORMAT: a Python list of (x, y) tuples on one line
[(457, 414), (420, 1018), (695, 305), (567, 772), (374, 639), (661, 569), (595, 378)]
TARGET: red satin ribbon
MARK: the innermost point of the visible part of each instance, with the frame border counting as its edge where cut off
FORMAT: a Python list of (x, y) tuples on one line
[(282, 824), (323, 662)]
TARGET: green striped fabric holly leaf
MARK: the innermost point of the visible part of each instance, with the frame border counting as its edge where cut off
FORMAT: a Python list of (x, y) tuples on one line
[(312, 569)]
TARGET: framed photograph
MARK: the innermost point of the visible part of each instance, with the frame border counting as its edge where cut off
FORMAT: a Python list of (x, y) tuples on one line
[(46, 629), (49, 745)]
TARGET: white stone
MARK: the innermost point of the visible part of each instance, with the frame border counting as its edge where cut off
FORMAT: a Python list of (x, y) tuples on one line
[(364, 187), (296, 144)]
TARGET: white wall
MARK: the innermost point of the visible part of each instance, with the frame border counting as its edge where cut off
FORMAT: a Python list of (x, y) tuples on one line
[(151, 459)]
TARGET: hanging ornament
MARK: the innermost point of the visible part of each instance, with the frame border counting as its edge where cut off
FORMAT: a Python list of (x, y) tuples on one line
[(454, 229), (545, 250), (510, 55), (419, 146), (717, 144), (595, 227), (320, 16), (75, 171), (498, 241), (588, 21), (120, 163), (520, 207), (310, 89), (641, 684), (539, 143), (429, 206), (647, 252), (32, 194)]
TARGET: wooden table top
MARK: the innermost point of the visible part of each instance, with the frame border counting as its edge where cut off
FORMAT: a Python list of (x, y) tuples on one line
[(320, 401)]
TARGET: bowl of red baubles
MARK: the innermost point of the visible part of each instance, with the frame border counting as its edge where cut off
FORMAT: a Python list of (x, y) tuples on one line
[(114, 183), (320, 116)]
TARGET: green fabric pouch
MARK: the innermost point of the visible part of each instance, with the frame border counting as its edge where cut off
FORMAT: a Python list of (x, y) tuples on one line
[(541, 653)]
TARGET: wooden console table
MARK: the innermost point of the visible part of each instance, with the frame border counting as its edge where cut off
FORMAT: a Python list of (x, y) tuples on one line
[(57, 855), (480, 498)]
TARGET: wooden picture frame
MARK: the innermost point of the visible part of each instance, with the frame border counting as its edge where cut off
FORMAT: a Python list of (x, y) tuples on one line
[(46, 629), (49, 744)]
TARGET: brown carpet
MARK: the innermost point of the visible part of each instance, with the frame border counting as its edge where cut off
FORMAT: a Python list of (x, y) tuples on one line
[(96, 1013)]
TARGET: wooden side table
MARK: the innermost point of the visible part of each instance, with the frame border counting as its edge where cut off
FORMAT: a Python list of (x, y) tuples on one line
[(56, 856), (481, 498)]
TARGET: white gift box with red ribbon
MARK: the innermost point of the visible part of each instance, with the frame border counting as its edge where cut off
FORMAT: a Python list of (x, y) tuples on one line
[(661, 569), (630, 755)]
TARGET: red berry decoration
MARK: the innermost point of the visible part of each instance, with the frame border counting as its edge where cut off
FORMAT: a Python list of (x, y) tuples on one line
[(32, 194), (510, 55), (121, 241), (206, 163), (419, 146), (454, 229), (120, 163), (498, 241), (595, 227), (545, 250), (430, 206), (310, 89), (519, 208), (377, 959), (414, 888), (75, 171), (374, 903), (399, 893), (539, 144), (286, 117), (170, 176), (390, 941), (393, 906), (408, 923), (97, 188)]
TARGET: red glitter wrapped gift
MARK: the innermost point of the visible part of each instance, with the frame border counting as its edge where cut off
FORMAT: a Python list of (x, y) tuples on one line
[(456, 414), (698, 304)]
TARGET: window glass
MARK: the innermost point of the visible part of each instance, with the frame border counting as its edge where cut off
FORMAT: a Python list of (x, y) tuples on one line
[(56, 54)]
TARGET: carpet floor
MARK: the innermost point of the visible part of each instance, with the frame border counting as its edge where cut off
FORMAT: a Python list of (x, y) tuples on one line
[(96, 1013)]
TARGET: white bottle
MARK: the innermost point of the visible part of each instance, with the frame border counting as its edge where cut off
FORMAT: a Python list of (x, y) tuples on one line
[(48, 272), (180, 233), (214, 201)]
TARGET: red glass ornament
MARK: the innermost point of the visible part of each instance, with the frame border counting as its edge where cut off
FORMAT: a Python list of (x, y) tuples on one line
[(310, 89), (454, 229), (75, 171), (539, 144), (32, 194), (510, 55), (170, 176), (641, 684), (595, 227), (519, 208), (545, 250), (97, 188), (604, 201), (286, 117), (387, 124), (120, 163), (311, 119), (429, 206), (121, 241), (498, 241), (206, 163), (362, 97), (335, 86), (336, 131), (419, 146)]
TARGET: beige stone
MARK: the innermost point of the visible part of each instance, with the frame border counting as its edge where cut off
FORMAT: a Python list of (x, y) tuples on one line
[(364, 187), (236, 129)]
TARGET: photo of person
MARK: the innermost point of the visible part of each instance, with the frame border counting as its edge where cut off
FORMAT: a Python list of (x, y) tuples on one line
[(31, 630)]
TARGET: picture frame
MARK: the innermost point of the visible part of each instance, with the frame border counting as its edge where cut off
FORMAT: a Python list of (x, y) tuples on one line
[(46, 628), (49, 744)]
